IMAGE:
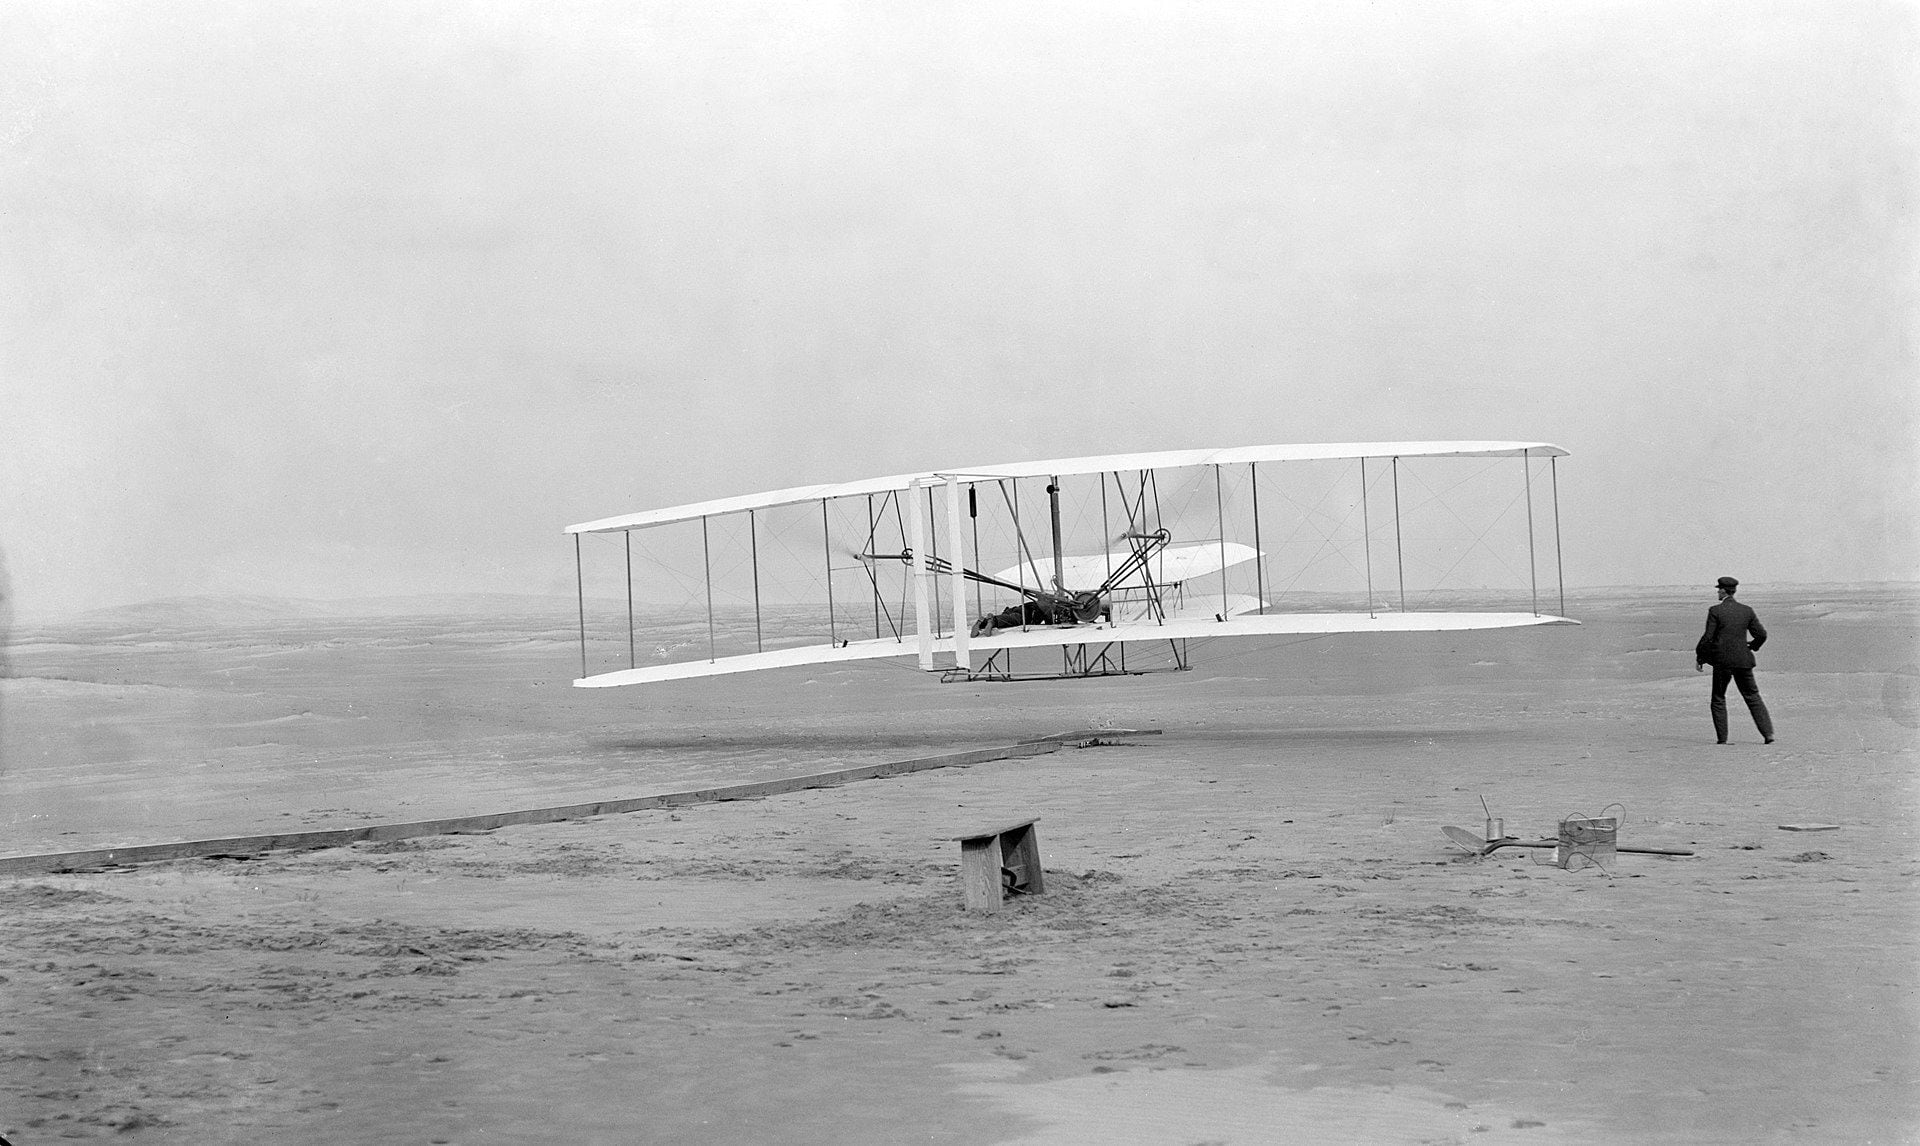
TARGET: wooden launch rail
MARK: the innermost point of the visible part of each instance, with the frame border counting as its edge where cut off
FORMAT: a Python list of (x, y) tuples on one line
[(459, 825)]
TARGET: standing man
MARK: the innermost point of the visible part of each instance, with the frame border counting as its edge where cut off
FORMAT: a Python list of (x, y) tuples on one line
[(1726, 647)]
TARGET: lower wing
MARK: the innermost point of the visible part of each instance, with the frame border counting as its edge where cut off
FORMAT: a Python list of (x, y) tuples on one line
[(1177, 628)]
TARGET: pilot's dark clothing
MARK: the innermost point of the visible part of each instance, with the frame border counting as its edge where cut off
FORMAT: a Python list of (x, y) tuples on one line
[(1727, 647)]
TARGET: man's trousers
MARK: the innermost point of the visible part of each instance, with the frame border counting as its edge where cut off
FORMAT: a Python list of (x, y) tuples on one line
[(1749, 692)]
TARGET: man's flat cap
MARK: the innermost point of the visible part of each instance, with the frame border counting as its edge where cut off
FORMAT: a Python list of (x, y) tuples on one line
[(1727, 583)]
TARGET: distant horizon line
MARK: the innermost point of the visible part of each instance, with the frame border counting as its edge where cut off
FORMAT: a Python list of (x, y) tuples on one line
[(392, 599)]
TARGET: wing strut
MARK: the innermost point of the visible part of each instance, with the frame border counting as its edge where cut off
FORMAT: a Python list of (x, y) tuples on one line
[(580, 584), (872, 580), (1106, 530), (826, 535), (962, 654), (1136, 532), (1260, 563), (753, 540), (1220, 509), (1559, 569), (1366, 536), (706, 566), (1533, 577), (1399, 559), (1020, 545), (933, 539), (922, 578)]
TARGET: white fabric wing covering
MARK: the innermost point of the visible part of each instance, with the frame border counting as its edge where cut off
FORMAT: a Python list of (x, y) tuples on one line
[(1062, 467), (1177, 628)]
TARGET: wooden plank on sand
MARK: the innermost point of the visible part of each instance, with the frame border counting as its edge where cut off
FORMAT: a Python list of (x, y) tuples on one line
[(380, 833)]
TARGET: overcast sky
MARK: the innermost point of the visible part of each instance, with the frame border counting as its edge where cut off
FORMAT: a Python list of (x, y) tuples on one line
[(345, 298)]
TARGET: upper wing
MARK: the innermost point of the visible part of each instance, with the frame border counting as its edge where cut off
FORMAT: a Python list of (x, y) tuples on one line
[(1325, 451), (1174, 629)]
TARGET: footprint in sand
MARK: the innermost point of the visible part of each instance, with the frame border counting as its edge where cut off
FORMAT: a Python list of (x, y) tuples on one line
[(1900, 696)]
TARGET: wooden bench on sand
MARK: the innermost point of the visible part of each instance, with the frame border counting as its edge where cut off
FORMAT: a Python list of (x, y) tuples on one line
[(998, 862)]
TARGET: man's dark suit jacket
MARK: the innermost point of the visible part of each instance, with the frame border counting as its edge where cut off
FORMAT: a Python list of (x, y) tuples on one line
[(1725, 644)]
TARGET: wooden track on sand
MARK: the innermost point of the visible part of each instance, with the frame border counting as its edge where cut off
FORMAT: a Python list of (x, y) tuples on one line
[(246, 846)]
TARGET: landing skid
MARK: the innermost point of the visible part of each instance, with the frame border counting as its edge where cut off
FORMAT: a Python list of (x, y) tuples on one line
[(1078, 662)]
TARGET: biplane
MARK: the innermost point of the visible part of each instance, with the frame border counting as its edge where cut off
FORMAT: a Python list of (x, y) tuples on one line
[(1115, 565)]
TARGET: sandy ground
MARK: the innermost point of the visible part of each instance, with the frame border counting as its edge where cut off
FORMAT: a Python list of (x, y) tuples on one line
[(1253, 930)]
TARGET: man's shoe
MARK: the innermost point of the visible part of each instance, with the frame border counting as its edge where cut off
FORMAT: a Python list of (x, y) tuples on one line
[(1769, 740)]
